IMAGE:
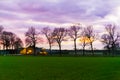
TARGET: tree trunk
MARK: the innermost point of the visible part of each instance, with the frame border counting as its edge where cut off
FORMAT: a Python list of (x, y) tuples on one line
[(50, 49), (60, 52), (7, 50), (34, 51), (92, 49), (108, 50), (113, 50), (75, 47), (34, 47), (83, 50)]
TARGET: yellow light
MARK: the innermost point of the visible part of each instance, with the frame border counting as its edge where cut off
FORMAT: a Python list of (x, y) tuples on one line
[(86, 39), (23, 51), (29, 51), (45, 53)]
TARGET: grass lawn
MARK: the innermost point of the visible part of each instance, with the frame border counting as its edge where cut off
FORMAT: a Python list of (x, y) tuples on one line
[(59, 68)]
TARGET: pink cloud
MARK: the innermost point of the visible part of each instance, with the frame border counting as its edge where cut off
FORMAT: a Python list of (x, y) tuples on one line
[(16, 14)]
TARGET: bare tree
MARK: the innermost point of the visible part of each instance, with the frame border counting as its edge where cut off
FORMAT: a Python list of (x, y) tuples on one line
[(1, 30), (8, 40), (5, 37), (31, 38), (106, 41), (74, 33), (48, 34), (59, 35), (84, 40), (12, 37), (17, 44), (111, 39), (90, 34)]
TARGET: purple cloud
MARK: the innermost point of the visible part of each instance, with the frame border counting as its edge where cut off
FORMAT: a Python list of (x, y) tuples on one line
[(60, 11), (16, 14)]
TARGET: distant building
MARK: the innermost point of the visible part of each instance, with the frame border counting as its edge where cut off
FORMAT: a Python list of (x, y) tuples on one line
[(29, 50)]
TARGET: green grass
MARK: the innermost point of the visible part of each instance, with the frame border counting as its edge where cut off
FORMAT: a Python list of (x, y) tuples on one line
[(59, 68)]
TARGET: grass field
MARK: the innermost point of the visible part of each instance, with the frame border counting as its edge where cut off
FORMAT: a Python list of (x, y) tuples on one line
[(59, 68)]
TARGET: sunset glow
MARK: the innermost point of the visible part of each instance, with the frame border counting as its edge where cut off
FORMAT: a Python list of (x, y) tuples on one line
[(86, 40), (18, 15)]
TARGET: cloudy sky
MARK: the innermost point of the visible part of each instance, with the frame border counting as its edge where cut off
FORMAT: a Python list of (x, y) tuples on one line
[(18, 15)]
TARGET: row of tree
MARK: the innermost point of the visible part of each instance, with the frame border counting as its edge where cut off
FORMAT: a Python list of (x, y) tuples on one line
[(9, 40), (86, 36), (59, 35)]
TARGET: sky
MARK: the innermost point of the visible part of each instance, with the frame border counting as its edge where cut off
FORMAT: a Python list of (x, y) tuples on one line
[(18, 15)]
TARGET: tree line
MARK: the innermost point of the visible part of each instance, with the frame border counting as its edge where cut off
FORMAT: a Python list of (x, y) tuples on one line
[(9, 40), (85, 35)]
